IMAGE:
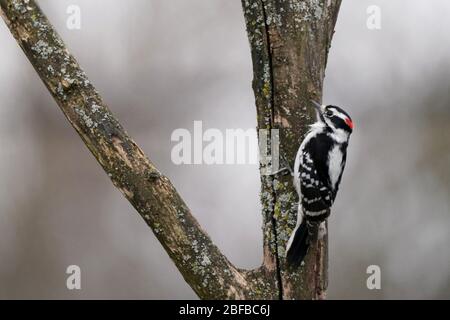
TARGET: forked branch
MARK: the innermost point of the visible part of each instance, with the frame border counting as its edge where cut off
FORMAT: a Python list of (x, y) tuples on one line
[(203, 266), (289, 42)]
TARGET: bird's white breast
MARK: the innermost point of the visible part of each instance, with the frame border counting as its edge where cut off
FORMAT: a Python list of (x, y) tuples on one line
[(335, 164)]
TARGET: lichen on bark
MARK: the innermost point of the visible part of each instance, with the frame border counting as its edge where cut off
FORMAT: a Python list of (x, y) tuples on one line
[(204, 267), (289, 42)]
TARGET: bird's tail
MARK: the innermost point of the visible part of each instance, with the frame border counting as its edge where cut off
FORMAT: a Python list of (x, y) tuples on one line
[(298, 245)]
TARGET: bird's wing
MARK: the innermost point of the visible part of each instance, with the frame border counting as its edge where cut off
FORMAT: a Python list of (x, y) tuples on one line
[(316, 197)]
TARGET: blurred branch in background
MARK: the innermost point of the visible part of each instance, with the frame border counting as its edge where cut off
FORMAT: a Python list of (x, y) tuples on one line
[(289, 43)]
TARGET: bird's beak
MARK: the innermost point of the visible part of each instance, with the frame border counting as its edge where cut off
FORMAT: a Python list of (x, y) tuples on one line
[(317, 106)]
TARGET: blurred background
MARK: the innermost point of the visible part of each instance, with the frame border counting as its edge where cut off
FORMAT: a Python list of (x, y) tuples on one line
[(160, 65)]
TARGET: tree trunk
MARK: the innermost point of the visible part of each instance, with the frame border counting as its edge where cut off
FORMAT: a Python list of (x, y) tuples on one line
[(289, 42)]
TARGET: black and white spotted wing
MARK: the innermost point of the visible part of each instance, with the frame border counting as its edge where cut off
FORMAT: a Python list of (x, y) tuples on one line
[(316, 195)]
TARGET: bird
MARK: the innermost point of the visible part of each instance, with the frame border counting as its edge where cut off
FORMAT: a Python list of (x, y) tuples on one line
[(317, 173)]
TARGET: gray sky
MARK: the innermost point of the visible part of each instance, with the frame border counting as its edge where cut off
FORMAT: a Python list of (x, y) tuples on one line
[(160, 65)]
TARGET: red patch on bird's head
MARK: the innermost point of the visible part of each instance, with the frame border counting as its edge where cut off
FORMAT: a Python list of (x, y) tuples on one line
[(349, 123)]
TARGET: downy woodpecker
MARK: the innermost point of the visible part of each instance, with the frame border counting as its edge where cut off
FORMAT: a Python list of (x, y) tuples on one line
[(317, 173)]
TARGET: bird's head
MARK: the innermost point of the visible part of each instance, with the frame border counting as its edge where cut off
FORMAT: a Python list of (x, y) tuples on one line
[(334, 118)]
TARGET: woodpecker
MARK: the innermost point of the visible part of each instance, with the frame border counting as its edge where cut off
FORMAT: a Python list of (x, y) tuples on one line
[(318, 169)]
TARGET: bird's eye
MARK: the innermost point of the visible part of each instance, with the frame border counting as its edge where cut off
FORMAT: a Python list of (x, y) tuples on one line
[(329, 113)]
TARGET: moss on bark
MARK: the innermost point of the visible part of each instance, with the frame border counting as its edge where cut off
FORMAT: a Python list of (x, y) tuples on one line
[(289, 44)]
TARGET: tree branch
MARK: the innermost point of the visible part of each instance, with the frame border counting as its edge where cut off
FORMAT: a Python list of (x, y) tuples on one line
[(289, 41), (202, 265)]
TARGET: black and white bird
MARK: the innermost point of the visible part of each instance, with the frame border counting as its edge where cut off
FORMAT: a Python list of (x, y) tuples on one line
[(318, 169)]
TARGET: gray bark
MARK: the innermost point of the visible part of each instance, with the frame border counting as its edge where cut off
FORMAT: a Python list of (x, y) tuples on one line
[(289, 43)]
